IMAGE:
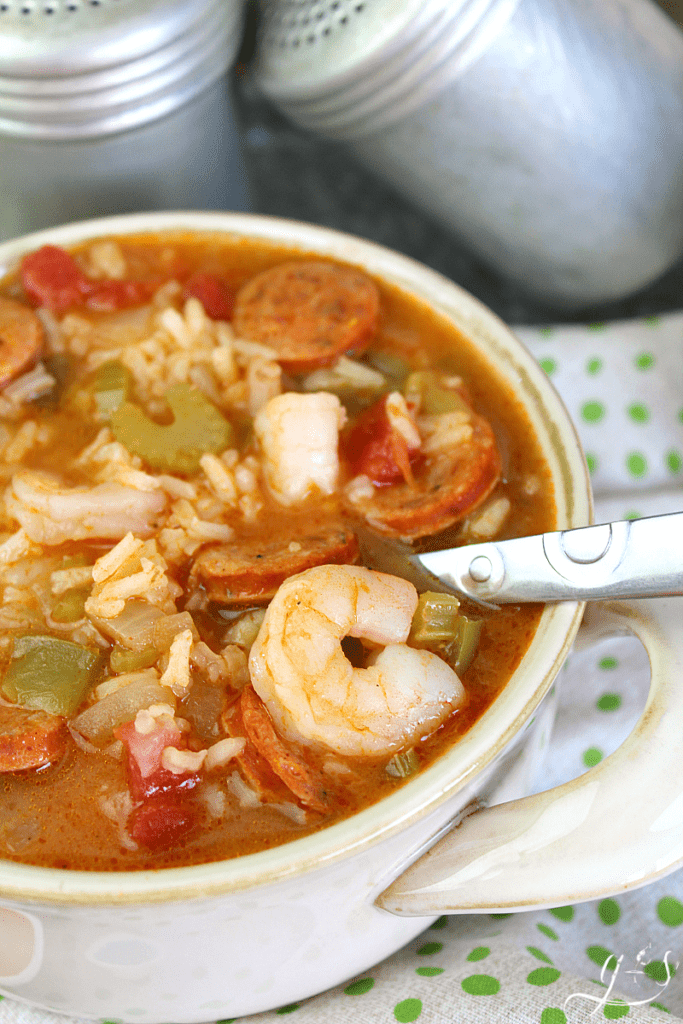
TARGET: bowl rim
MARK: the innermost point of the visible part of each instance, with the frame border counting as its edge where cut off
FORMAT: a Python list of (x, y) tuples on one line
[(497, 728)]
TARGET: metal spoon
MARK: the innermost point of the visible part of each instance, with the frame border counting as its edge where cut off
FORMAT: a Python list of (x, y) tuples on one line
[(626, 559)]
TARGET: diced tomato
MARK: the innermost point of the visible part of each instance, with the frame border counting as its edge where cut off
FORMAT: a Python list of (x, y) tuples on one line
[(146, 775), (51, 277), (161, 822), (214, 294), (158, 783), (373, 448), (108, 296), (145, 748)]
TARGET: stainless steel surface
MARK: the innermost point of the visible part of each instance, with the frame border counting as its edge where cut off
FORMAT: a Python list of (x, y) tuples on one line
[(73, 37), (116, 106), (548, 134), (190, 159), (75, 69), (627, 559)]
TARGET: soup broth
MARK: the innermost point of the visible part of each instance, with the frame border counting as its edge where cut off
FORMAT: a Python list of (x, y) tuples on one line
[(196, 432)]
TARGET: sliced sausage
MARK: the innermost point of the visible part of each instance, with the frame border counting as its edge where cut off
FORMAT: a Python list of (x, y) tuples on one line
[(255, 769), (310, 313), (21, 339), (249, 573), (29, 739), (448, 486), (303, 779)]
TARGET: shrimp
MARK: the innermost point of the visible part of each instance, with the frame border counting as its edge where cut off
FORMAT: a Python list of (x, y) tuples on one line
[(51, 513), (299, 437), (21, 339), (314, 694)]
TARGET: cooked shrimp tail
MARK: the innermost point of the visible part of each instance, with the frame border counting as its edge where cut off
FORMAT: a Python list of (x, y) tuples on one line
[(313, 692)]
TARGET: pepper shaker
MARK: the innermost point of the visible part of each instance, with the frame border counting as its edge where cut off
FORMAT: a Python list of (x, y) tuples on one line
[(547, 134), (114, 106)]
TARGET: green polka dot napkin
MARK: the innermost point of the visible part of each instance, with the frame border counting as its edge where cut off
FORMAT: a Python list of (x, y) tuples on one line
[(615, 957), (622, 385)]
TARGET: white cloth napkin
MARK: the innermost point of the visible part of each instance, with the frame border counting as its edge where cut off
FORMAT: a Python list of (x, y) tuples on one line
[(616, 957)]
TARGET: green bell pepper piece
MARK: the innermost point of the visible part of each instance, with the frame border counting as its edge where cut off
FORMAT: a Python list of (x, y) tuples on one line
[(49, 674)]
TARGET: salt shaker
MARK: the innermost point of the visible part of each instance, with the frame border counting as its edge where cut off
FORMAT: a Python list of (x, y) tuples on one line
[(112, 106), (547, 134)]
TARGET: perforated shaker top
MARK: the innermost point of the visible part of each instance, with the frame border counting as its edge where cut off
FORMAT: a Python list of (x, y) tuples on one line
[(52, 37), (76, 68), (306, 44), (349, 67)]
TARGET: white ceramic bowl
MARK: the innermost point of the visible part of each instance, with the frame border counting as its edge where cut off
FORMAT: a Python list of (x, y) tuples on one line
[(231, 938)]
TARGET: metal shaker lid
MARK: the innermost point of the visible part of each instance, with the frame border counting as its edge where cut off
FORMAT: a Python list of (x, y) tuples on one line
[(82, 68), (305, 43), (345, 67)]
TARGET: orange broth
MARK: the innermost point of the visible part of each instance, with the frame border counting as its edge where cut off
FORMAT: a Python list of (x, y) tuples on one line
[(53, 816)]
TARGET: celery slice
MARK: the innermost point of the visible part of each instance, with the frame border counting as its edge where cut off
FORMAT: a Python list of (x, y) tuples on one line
[(198, 427), (435, 398), (122, 660), (112, 386), (392, 366), (70, 607), (461, 650), (435, 619), (438, 626), (50, 674)]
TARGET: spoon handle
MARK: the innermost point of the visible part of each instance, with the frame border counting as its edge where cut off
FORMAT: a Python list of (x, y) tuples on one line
[(626, 559)]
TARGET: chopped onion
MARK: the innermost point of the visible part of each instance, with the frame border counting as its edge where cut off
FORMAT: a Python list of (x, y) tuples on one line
[(244, 630), (133, 627), (167, 628), (98, 722), (292, 811), (245, 794), (141, 625), (147, 675), (81, 741), (403, 765)]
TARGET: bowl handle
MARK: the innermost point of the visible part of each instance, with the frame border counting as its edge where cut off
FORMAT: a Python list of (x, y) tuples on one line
[(617, 827)]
